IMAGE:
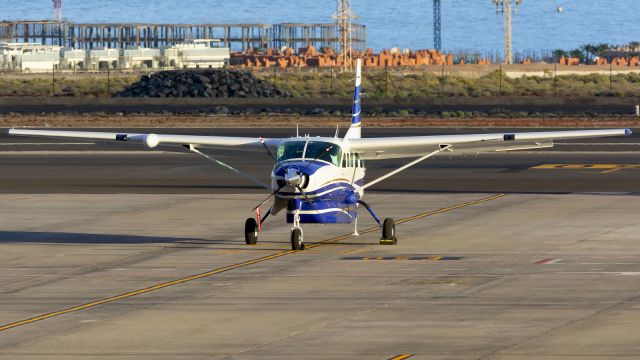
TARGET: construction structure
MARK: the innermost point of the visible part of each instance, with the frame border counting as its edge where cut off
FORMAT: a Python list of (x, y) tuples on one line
[(504, 6), (344, 21), (238, 37), (437, 26)]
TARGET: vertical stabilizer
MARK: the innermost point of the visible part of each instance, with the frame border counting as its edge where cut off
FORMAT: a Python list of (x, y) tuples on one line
[(356, 121)]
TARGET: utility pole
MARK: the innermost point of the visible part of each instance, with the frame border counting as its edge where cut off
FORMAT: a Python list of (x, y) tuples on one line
[(507, 10), (344, 20), (437, 26)]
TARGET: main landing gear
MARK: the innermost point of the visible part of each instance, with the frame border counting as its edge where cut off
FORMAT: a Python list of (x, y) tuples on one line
[(388, 226), (388, 232), (251, 229)]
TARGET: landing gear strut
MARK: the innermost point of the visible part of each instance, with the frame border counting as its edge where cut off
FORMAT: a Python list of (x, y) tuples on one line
[(297, 242), (388, 226)]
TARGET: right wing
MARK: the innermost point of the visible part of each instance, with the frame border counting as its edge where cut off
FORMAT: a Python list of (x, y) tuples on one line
[(152, 140), (415, 146)]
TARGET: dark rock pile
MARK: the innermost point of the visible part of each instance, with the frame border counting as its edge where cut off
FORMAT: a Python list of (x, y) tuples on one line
[(198, 84)]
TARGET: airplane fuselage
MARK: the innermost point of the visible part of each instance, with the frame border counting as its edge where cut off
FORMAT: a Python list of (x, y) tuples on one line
[(315, 177)]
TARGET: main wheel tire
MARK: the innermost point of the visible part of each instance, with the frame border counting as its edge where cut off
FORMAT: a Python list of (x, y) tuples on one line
[(296, 240), (251, 231), (388, 232)]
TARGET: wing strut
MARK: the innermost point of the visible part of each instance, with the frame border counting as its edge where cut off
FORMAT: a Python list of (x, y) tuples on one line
[(240, 173), (404, 167)]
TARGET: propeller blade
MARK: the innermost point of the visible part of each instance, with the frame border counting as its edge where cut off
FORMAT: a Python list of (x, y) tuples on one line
[(304, 194), (268, 197)]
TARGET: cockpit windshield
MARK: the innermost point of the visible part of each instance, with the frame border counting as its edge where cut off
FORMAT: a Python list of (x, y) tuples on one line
[(321, 150)]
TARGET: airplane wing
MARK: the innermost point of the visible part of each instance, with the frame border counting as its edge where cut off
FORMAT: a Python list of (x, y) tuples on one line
[(152, 140), (414, 146)]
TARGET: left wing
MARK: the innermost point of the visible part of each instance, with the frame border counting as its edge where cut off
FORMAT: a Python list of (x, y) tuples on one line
[(152, 140), (414, 146)]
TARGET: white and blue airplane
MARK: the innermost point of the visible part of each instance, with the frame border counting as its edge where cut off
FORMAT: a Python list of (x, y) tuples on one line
[(321, 179)]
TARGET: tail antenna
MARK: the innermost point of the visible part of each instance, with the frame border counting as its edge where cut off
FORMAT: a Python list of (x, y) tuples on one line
[(337, 131)]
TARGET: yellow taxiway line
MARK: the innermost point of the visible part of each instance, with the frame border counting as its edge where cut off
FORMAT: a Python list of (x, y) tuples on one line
[(401, 357), (230, 267), (608, 168)]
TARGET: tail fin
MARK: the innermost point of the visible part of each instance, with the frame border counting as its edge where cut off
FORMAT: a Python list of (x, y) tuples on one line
[(354, 131)]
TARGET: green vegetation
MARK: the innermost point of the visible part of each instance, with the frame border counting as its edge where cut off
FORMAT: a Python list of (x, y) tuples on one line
[(588, 52), (376, 84), (42, 85)]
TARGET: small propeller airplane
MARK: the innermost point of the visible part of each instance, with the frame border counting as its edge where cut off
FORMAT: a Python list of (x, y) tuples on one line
[(321, 179)]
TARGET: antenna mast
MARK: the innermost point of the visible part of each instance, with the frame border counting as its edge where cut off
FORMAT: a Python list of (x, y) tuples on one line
[(57, 10), (344, 18), (437, 26)]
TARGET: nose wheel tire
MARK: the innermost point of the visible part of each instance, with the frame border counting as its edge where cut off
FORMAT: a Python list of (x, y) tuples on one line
[(251, 231), (388, 232), (296, 240)]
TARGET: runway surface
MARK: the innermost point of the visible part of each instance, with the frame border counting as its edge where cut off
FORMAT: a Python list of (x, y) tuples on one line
[(52, 166), (122, 254)]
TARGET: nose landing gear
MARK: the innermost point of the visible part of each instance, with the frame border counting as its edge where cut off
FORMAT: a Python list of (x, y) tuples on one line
[(297, 242)]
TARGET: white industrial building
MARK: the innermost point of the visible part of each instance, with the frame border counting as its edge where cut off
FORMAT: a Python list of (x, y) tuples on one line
[(140, 58), (103, 58), (72, 59), (200, 53), (31, 57)]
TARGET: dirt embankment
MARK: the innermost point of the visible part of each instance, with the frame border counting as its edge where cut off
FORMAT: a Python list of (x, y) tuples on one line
[(168, 121)]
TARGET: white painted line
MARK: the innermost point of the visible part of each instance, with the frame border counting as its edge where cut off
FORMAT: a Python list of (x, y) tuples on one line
[(607, 263), (623, 273), (88, 152), (40, 144), (598, 144)]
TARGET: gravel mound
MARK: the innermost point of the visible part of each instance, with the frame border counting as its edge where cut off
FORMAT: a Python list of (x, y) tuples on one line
[(199, 84)]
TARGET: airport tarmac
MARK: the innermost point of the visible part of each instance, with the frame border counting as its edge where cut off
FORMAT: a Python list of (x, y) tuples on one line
[(141, 267)]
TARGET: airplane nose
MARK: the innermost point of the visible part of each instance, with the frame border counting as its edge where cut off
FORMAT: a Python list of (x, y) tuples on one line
[(294, 178)]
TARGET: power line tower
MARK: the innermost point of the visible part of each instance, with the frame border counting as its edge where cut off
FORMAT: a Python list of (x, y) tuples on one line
[(437, 26), (57, 10), (505, 7), (344, 20)]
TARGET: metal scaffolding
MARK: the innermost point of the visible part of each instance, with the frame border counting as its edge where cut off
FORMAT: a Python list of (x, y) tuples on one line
[(235, 36), (344, 21)]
